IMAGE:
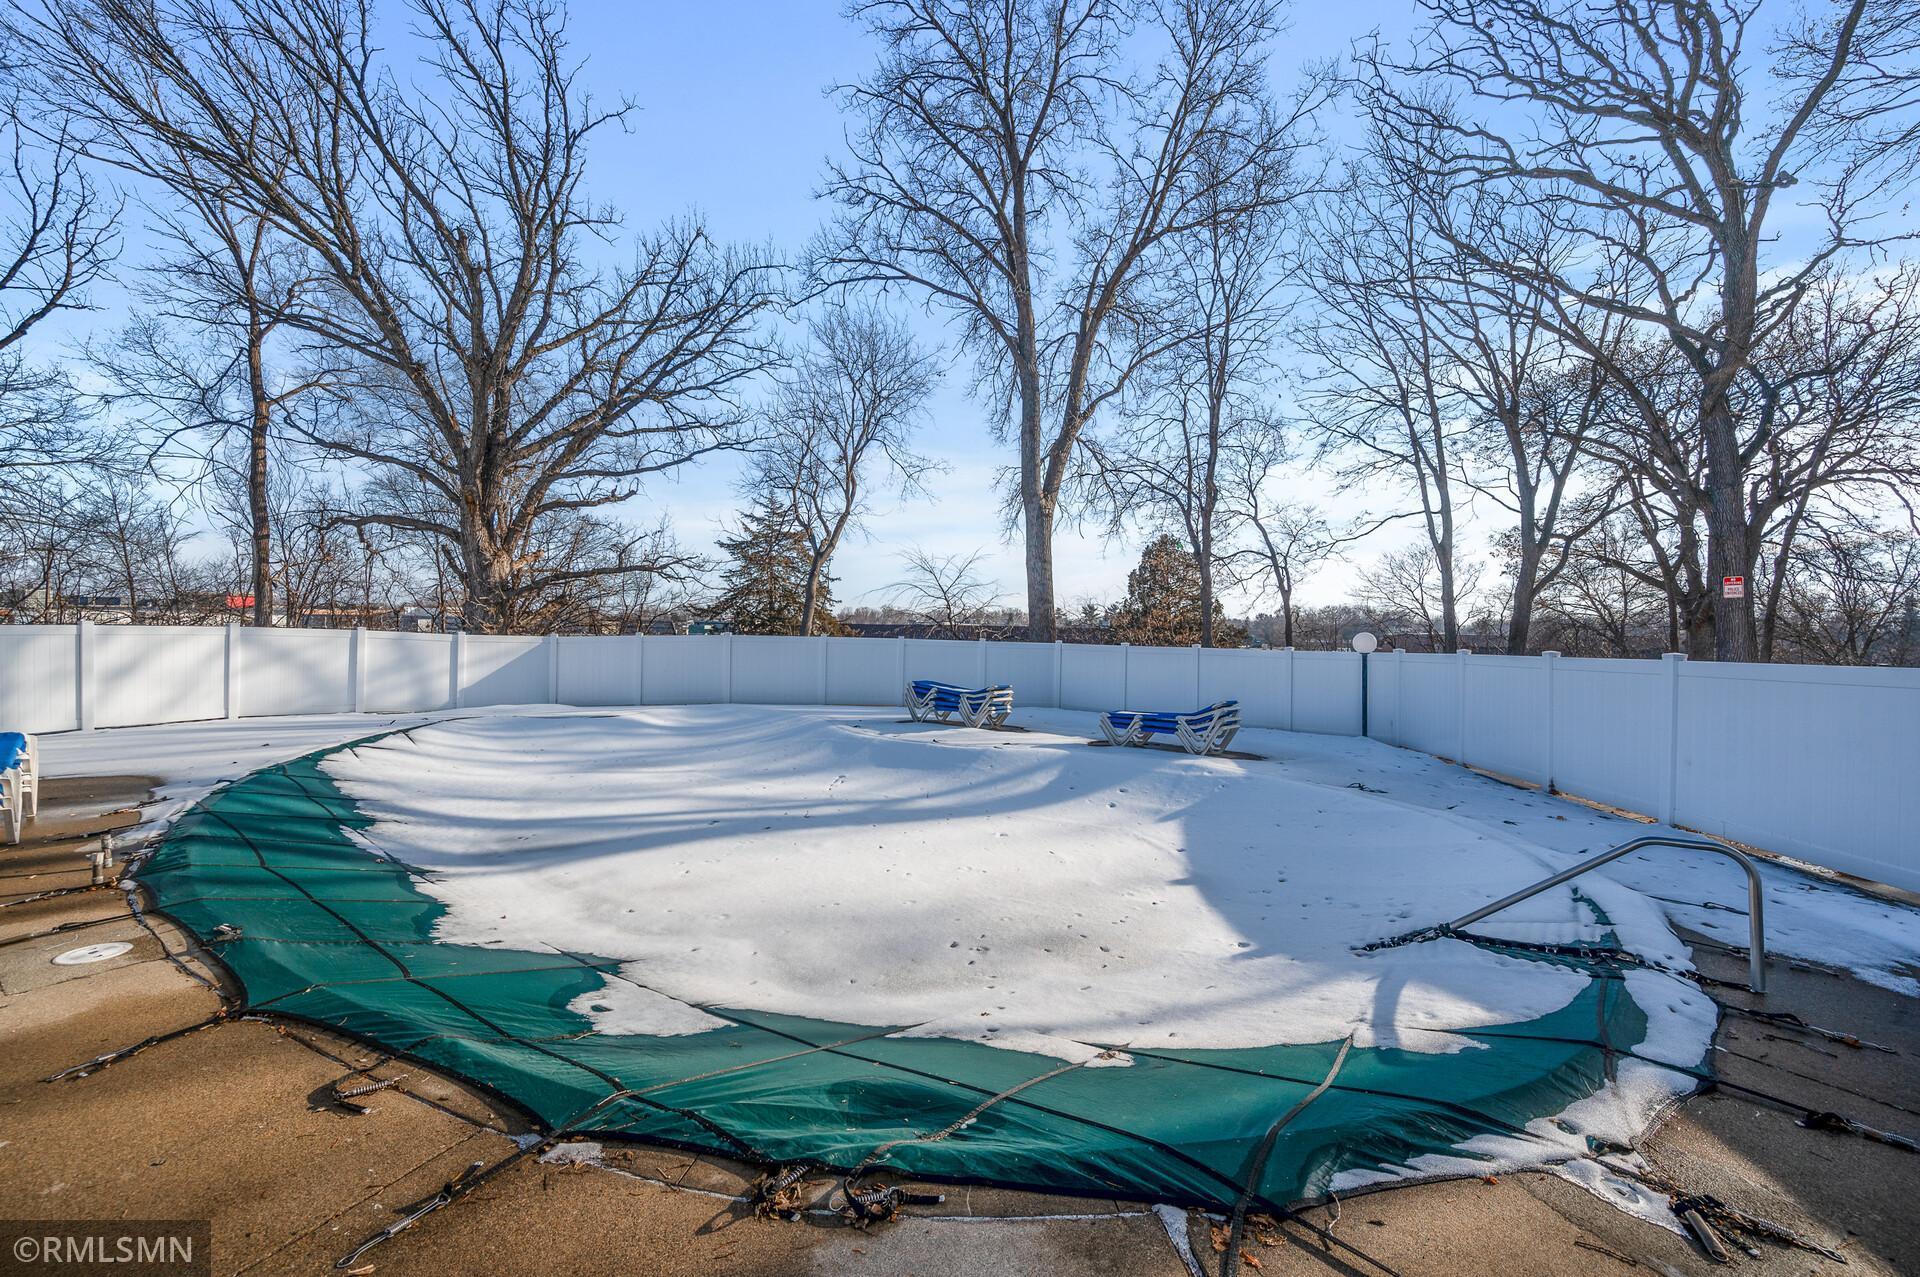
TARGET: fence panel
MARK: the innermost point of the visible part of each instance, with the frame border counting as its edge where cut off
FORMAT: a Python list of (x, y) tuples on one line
[(39, 678), (294, 671), (1383, 687), (1326, 693), (158, 674), (1026, 667), (503, 670), (769, 670), (1092, 677), (1425, 699), (600, 669), (1505, 713), (408, 672), (685, 669), (1161, 678), (863, 671), (1811, 761), (1611, 731), (1261, 681), (948, 660)]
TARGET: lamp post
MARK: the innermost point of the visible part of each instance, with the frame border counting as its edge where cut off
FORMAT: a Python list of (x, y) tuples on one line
[(1364, 642)]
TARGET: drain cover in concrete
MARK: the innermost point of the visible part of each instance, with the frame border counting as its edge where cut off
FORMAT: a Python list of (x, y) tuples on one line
[(92, 953)]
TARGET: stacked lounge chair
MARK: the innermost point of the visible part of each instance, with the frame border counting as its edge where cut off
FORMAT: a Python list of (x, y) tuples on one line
[(19, 782), (929, 700), (1201, 731)]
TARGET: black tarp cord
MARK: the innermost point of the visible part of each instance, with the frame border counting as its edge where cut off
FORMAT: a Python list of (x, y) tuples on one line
[(1230, 1263)]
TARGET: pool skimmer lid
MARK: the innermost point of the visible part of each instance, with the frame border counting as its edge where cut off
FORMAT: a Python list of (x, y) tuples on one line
[(92, 953)]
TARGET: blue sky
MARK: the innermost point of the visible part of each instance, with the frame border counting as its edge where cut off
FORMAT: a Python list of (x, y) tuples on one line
[(734, 120)]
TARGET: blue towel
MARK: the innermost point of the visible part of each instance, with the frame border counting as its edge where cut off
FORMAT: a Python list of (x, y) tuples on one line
[(13, 748)]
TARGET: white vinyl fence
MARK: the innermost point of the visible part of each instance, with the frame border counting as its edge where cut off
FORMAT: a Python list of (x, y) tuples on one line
[(1816, 762)]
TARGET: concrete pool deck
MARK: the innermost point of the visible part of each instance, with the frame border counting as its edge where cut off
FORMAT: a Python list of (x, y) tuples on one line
[(234, 1124)]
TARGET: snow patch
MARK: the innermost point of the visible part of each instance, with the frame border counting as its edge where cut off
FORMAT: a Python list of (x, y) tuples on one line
[(1026, 892)]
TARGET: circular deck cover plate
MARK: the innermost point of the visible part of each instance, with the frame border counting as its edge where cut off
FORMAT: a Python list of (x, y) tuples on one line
[(92, 953)]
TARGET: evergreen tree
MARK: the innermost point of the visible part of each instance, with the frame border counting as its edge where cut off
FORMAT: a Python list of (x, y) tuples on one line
[(1162, 607), (764, 580)]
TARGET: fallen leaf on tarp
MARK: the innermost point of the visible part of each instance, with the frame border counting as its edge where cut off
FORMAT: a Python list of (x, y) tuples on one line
[(1250, 1259)]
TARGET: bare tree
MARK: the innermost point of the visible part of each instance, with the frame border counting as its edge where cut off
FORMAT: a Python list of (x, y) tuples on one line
[(196, 366), (1843, 379), (1850, 594), (1841, 384), (1381, 387), (1165, 465), (1409, 583), (947, 590), (1603, 602), (57, 238), (1649, 116), (1005, 167), (509, 377), (1529, 399), (851, 401), (1288, 543)]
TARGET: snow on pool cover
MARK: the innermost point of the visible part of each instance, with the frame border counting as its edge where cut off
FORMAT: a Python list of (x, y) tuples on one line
[(801, 936)]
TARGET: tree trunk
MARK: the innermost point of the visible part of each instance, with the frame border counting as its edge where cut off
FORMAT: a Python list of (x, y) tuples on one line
[(1210, 487), (1036, 506), (1776, 584), (809, 597), (1526, 574), (1038, 517), (1701, 629), (484, 578), (260, 515), (1729, 549), (1449, 605), (1206, 598)]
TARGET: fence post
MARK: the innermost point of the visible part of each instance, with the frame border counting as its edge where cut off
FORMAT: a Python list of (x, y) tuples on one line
[(1460, 655), (1126, 673), (821, 643), (726, 668), (639, 667), (232, 670), (983, 661), (1548, 662), (1670, 773), (1197, 676), (83, 674), (1059, 673), (900, 666), (553, 669), (1292, 687), (1399, 696), (457, 669), (357, 670)]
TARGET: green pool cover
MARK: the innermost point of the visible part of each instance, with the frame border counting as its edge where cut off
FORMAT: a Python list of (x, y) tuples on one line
[(332, 934)]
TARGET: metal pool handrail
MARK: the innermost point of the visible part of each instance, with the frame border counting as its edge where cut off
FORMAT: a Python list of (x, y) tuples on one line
[(1756, 921)]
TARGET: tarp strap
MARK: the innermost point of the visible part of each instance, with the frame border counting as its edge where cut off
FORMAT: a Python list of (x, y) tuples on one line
[(1230, 1264)]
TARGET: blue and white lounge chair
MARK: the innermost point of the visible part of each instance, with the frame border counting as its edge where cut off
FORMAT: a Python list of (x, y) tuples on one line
[(943, 702), (19, 782), (1204, 731)]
